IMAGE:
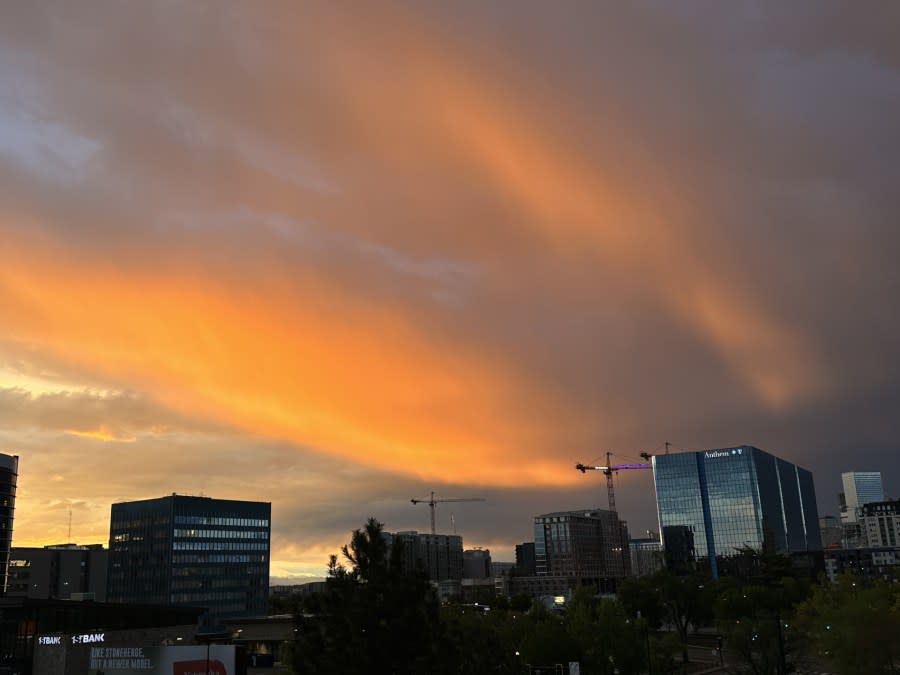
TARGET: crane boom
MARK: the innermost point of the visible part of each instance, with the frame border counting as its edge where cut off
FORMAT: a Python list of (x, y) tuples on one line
[(614, 467), (432, 502), (609, 470)]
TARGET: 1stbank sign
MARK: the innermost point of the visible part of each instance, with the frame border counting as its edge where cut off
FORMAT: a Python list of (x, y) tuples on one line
[(50, 640), (88, 638), (716, 454)]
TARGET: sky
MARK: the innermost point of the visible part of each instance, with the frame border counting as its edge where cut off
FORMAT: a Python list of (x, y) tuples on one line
[(339, 255)]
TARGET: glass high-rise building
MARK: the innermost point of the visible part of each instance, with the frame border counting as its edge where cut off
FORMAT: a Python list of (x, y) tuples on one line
[(196, 551), (860, 488), (9, 475), (734, 499)]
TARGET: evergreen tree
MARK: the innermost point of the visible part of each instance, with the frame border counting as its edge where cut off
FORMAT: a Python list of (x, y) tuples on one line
[(373, 617)]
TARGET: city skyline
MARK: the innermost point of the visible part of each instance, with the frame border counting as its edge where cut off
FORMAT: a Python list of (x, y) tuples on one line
[(337, 258)]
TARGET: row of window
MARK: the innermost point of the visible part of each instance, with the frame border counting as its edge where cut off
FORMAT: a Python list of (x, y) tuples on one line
[(217, 558), (207, 597), (216, 520), (220, 546), (207, 572), (228, 582), (222, 534)]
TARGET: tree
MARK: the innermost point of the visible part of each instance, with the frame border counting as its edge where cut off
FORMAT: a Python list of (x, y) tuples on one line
[(607, 640), (755, 614), (372, 617), (854, 626), (684, 601), (474, 641)]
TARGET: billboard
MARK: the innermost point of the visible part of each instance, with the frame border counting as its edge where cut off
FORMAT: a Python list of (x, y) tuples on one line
[(186, 660)]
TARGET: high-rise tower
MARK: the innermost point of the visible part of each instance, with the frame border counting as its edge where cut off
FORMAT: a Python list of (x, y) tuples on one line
[(731, 500), (860, 488), (9, 473)]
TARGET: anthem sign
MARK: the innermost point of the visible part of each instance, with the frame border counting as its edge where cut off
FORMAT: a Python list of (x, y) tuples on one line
[(716, 454)]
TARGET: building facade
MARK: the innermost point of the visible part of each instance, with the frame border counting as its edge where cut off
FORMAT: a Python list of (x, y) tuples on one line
[(830, 531), (440, 556), (525, 564), (860, 488), (736, 499), (589, 545), (193, 551), (60, 572), (646, 556), (880, 522), (9, 475), (477, 564)]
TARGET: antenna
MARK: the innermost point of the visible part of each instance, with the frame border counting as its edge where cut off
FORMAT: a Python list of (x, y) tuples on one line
[(69, 539), (453, 522)]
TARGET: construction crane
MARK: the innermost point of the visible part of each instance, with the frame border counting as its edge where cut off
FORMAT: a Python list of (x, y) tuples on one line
[(610, 469), (432, 502)]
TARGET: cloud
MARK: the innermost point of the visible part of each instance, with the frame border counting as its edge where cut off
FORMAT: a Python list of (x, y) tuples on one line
[(444, 247)]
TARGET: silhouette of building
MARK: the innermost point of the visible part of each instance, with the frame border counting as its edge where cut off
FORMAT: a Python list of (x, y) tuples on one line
[(196, 551), (59, 572), (477, 564), (736, 499), (525, 566), (9, 475), (440, 556)]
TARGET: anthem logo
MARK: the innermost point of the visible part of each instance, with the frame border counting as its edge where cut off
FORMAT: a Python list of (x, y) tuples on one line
[(716, 454)]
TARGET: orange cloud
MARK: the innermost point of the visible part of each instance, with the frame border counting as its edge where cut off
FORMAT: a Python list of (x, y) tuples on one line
[(103, 433), (285, 359)]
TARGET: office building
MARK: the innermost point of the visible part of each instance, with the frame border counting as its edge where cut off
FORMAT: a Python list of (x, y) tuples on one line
[(9, 474), (477, 564), (880, 522), (590, 545), (59, 572), (860, 488), (525, 566), (197, 551), (646, 556), (830, 531), (440, 556), (733, 500), (501, 569), (873, 563)]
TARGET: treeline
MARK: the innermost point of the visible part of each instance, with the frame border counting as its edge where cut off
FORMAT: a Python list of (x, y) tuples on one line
[(374, 618)]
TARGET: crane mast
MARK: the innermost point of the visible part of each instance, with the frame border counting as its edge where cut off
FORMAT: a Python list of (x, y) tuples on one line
[(609, 470)]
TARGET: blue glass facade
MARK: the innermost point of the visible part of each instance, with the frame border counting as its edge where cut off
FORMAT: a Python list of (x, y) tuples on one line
[(736, 498)]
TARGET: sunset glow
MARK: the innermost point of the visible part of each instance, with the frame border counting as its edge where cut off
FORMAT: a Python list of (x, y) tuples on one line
[(337, 259)]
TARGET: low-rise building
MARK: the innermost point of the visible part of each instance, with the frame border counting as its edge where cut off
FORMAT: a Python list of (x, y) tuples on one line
[(877, 563), (880, 522), (646, 556), (60, 572)]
